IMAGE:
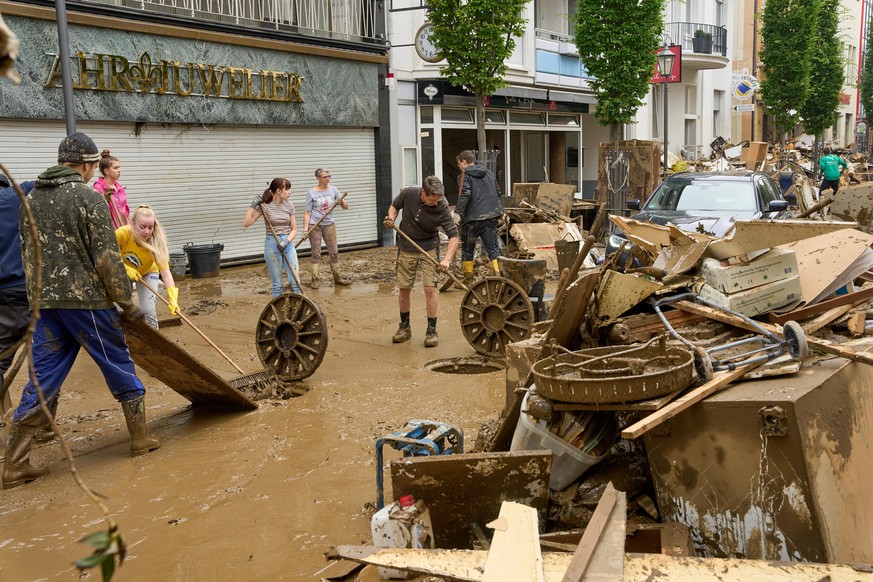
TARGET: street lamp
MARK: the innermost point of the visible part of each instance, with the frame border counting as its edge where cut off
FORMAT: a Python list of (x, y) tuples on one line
[(665, 68)]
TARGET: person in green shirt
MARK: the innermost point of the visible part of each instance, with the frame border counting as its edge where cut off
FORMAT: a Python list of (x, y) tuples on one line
[(831, 165)]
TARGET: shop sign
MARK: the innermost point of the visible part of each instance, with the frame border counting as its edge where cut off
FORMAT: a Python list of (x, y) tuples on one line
[(744, 86), (105, 72)]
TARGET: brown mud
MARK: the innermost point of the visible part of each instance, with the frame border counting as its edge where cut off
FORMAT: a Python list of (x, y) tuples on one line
[(247, 496)]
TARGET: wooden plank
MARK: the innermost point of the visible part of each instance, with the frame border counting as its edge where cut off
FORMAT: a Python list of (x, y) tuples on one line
[(567, 316), (857, 321), (721, 379), (461, 489), (825, 318), (515, 549), (467, 565), (592, 536), (809, 311), (179, 370)]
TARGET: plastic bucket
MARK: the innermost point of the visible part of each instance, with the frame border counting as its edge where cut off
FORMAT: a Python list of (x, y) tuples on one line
[(178, 264), (204, 260), (567, 251)]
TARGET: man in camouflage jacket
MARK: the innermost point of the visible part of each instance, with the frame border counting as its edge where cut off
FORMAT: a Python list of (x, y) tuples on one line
[(83, 277)]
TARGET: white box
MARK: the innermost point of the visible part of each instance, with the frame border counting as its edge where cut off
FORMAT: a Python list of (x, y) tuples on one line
[(568, 462), (776, 265), (757, 300)]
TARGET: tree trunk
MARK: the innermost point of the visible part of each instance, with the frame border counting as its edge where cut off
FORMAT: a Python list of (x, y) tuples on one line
[(815, 157), (480, 125), (615, 135)]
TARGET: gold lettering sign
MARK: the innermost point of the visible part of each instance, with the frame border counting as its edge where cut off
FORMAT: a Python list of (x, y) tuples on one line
[(103, 72)]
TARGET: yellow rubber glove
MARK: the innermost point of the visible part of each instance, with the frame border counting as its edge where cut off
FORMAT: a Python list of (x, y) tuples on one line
[(132, 273), (173, 294)]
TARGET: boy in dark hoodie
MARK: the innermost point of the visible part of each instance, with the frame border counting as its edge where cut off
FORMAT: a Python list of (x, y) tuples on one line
[(479, 207), (83, 278)]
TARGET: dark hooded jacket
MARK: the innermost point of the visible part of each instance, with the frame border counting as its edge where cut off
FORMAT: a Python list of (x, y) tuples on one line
[(81, 264), (480, 196)]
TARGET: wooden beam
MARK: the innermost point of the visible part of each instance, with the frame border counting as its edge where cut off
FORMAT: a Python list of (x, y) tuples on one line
[(721, 379), (591, 537), (822, 306), (515, 549)]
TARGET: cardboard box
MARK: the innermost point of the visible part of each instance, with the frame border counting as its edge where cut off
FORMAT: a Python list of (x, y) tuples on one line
[(757, 300), (773, 266), (757, 153)]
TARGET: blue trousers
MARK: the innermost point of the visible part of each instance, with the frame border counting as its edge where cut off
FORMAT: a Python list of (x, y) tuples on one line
[(276, 264), (59, 335), (487, 230)]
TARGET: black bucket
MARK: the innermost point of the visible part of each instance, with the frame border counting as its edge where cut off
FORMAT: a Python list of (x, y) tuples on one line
[(204, 260), (567, 251)]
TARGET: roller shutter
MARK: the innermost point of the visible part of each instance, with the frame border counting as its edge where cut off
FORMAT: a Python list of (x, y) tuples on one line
[(201, 179)]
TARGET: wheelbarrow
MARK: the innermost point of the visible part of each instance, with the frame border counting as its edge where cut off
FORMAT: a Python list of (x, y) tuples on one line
[(771, 346)]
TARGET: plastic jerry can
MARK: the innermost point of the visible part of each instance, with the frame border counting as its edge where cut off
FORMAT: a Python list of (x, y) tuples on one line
[(402, 524)]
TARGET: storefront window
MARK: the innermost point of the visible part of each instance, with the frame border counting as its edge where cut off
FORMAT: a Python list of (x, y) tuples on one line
[(427, 153), (563, 120), (495, 117), (526, 118), (426, 114), (457, 115)]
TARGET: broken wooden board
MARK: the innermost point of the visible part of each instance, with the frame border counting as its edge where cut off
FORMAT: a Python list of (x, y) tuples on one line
[(753, 235), (824, 262), (461, 489), (515, 548), (855, 204), (600, 553), (804, 312), (179, 370), (651, 237), (557, 198), (539, 238), (568, 315), (679, 259), (467, 565), (619, 292)]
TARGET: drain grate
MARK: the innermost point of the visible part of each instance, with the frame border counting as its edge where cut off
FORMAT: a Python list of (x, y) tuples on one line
[(465, 365)]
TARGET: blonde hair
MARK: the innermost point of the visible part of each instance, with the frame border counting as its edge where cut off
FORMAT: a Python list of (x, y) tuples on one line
[(157, 243)]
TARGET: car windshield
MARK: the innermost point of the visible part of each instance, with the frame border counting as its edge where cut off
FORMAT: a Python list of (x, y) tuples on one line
[(690, 195)]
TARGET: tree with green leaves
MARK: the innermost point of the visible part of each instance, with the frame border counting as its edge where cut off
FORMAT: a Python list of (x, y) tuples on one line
[(788, 34), (827, 76), (475, 37), (618, 43), (867, 82)]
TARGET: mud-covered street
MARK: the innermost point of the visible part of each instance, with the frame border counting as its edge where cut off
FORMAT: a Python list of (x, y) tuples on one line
[(246, 496)]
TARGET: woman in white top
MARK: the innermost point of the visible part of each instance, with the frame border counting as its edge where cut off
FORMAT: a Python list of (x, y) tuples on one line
[(319, 203), (276, 206)]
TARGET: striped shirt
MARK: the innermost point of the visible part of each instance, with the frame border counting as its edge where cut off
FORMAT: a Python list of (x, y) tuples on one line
[(279, 215)]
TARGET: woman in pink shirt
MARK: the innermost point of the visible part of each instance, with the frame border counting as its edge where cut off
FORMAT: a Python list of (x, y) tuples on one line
[(112, 190)]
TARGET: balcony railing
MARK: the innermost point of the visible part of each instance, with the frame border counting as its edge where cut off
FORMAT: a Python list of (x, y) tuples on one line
[(350, 20), (683, 33)]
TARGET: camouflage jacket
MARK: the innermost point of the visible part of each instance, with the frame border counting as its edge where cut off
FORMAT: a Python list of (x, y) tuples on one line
[(81, 264)]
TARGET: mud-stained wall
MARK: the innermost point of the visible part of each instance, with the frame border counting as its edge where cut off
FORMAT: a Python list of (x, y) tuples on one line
[(773, 469)]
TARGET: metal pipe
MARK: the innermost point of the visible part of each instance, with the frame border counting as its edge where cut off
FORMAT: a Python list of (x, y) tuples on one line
[(66, 75)]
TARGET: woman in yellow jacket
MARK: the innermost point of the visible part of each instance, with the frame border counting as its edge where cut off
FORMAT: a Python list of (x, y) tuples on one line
[(145, 252)]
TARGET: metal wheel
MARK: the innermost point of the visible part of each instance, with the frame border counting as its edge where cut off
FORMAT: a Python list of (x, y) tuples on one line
[(703, 365), (291, 337), (795, 340), (495, 312)]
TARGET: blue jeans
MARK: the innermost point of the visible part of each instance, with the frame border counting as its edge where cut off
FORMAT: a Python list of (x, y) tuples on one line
[(487, 230), (59, 335), (275, 264)]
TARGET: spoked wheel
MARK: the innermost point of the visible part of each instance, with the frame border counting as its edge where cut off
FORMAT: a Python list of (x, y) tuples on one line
[(795, 340), (495, 312), (291, 337), (703, 365)]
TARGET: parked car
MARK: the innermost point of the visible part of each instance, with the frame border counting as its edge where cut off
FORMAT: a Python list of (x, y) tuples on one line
[(708, 202)]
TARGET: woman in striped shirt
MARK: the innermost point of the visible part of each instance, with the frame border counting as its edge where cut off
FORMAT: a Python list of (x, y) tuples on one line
[(278, 211)]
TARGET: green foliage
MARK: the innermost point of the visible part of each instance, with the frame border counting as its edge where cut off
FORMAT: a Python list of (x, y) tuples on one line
[(787, 33), (867, 78), (108, 545), (618, 41), (702, 34), (826, 61)]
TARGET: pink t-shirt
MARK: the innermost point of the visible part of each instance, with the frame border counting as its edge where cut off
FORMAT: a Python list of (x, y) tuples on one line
[(118, 200)]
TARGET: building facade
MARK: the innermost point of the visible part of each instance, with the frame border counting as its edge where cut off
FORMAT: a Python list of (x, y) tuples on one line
[(204, 104)]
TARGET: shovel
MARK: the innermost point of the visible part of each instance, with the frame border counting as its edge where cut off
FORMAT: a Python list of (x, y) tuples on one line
[(311, 228)]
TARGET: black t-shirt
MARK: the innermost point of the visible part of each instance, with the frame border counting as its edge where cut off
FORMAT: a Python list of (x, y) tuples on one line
[(420, 222)]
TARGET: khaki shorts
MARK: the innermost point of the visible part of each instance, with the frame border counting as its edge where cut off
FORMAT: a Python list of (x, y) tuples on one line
[(408, 263)]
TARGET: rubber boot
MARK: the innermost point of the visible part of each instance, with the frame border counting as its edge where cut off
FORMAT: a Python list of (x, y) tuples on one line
[(495, 267), (314, 282), (17, 469), (44, 433), (140, 441), (338, 278), (467, 269)]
